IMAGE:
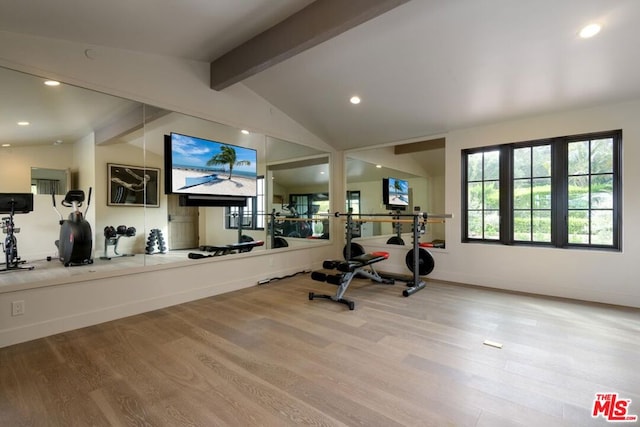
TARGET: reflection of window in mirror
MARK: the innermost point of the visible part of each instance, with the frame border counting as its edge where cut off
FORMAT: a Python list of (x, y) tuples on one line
[(253, 214), (313, 206), (424, 172), (49, 181), (353, 201), (353, 206), (300, 196)]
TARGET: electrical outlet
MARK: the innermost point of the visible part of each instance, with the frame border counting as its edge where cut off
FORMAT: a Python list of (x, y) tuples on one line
[(17, 308)]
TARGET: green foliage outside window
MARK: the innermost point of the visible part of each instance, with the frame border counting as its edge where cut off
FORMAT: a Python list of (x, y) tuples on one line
[(577, 208)]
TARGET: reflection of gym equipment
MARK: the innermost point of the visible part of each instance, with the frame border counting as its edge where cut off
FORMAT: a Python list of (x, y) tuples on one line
[(293, 225), (13, 203), (245, 245), (276, 240), (112, 236), (155, 242), (76, 241), (277, 228), (397, 227)]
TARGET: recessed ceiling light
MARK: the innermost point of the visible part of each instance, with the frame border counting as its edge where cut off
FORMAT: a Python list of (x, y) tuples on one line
[(590, 31), (321, 172), (379, 166), (244, 131), (6, 145), (24, 123), (355, 100), (52, 83), (57, 142)]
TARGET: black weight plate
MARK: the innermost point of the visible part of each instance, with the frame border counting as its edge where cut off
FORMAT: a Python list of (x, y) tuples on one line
[(279, 242), (395, 240), (356, 250), (425, 261)]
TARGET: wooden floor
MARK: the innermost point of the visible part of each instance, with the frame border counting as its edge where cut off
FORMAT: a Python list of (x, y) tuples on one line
[(267, 356)]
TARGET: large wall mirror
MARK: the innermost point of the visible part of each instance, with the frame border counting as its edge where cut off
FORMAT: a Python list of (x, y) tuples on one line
[(81, 139), (423, 169), (298, 185)]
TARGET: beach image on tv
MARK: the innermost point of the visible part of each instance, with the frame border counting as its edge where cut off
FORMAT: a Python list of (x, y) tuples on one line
[(201, 166), (398, 192)]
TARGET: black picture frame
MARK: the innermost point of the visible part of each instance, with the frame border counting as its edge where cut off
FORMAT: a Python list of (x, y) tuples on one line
[(133, 186)]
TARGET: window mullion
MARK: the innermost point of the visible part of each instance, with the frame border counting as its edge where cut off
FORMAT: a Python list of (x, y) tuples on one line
[(559, 190), (506, 195), (617, 186)]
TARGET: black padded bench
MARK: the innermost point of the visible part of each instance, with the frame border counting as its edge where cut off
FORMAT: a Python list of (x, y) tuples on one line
[(358, 266), (225, 249)]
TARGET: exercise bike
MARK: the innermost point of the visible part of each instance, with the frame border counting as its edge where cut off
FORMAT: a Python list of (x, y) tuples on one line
[(76, 240), (12, 203)]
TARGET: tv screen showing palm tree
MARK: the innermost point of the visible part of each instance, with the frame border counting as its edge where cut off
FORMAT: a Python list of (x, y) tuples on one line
[(395, 192), (202, 166)]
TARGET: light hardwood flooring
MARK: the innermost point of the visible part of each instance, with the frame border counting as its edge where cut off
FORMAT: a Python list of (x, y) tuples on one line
[(267, 356)]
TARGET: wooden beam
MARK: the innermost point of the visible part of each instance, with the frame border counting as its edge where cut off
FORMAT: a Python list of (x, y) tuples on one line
[(316, 23), (415, 147)]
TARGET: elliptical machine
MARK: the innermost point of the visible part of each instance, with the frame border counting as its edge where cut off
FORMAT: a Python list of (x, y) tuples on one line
[(76, 239)]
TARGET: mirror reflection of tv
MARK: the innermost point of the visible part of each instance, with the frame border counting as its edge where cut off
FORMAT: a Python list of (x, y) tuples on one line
[(395, 193), (202, 167)]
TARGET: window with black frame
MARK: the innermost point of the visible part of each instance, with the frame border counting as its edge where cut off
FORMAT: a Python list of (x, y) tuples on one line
[(562, 192), (313, 206), (253, 215), (353, 206)]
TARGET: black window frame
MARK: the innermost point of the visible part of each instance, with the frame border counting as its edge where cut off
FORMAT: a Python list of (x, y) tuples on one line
[(253, 215), (559, 191)]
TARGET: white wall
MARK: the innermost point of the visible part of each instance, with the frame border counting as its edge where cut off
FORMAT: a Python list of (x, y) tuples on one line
[(172, 84), (436, 195), (15, 173), (604, 276)]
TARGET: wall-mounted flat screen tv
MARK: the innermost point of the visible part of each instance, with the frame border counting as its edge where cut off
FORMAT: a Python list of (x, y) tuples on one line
[(395, 193), (197, 166)]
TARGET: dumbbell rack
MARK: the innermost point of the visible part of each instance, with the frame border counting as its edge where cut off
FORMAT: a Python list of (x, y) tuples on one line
[(155, 243), (112, 237)]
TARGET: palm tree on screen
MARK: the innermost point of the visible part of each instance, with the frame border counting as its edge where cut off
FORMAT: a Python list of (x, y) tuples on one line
[(227, 156), (396, 187)]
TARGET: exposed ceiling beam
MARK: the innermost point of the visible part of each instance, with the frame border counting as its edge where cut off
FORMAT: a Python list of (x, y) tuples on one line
[(415, 147), (316, 23)]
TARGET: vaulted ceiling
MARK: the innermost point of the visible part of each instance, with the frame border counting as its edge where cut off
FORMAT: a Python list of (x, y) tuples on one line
[(422, 68)]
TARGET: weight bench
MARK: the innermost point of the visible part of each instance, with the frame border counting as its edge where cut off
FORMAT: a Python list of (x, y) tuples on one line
[(225, 249), (359, 266)]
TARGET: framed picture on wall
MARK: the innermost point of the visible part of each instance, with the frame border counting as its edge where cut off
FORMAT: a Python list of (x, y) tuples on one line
[(133, 186)]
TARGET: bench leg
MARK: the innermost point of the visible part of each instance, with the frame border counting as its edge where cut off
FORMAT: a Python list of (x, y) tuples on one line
[(347, 302), (342, 288)]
